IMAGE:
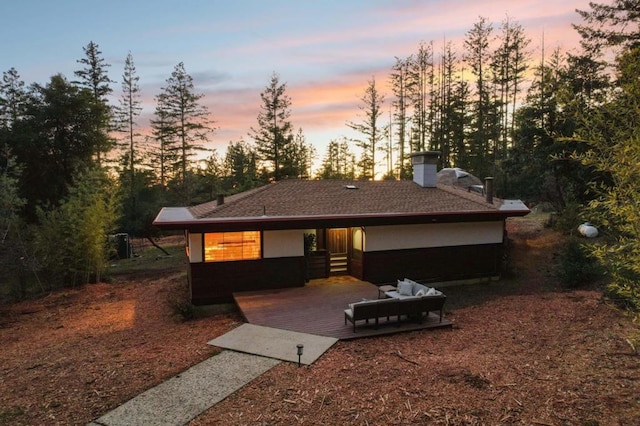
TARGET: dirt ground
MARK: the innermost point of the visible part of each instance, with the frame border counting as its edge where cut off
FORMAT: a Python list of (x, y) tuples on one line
[(522, 351)]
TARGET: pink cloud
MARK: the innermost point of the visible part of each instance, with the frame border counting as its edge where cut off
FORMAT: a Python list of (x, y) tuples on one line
[(338, 62)]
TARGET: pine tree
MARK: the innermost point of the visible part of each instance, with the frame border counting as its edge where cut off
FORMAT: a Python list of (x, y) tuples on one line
[(339, 162), (94, 77), (477, 57), (13, 98), (163, 153), (183, 117), (371, 130), (126, 117), (209, 177), (274, 132), (459, 120), (420, 75), (609, 25), (400, 86), (240, 170), (509, 66), (298, 157), (127, 114), (447, 117)]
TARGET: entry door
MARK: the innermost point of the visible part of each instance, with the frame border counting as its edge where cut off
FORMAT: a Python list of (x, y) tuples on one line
[(338, 250)]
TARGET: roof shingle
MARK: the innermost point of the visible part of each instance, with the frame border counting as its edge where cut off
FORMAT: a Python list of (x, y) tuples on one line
[(334, 197)]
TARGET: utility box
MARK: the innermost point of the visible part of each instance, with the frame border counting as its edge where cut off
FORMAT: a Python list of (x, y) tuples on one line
[(124, 249)]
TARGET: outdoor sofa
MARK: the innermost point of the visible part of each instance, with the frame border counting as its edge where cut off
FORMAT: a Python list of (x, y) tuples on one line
[(410, 299)]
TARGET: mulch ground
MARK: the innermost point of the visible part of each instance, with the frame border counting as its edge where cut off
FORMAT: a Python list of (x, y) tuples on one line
[(522, 351)]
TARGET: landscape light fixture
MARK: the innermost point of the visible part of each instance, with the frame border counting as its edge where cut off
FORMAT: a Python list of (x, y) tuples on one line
[(300, 347)]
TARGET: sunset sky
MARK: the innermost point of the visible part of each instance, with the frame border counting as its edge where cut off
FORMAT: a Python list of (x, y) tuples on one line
[(325, 51)]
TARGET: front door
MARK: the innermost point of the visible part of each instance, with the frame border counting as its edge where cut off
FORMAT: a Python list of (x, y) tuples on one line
[(337, 244)]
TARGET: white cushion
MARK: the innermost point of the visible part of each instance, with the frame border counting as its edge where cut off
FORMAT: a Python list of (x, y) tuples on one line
[(417, 287), (432, 292), (405, 288), (420, 292), (407, 280)]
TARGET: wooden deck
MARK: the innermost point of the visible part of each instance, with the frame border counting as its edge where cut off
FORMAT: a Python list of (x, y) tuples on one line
[(318, 308)]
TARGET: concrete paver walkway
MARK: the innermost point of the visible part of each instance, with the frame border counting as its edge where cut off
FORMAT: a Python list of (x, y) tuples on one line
[(186, 395), (274, 343)]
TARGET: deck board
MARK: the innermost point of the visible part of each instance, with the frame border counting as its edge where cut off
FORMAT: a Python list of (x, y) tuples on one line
[(318, 308)]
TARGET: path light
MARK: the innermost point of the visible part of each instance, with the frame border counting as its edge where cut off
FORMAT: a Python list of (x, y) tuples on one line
[(300, 347)]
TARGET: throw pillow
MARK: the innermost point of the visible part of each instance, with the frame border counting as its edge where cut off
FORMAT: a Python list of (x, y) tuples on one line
[(420, 292), (405, 288), (431, 292)]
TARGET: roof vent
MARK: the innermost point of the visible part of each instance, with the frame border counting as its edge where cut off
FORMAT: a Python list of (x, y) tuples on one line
[(488, 189)]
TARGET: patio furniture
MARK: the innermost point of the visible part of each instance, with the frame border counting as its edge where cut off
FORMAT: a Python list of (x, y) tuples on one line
[(365, 310), (418, 299), (410, 307), (419, 307), (408, 288)]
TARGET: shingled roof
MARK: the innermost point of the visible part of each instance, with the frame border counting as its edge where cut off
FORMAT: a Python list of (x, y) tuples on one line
[(339, 203)]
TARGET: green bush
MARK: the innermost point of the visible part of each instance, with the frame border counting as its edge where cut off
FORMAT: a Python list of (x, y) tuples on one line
[(624, 292), (183, 309), (577, 267), (620, 258), (569, 219)]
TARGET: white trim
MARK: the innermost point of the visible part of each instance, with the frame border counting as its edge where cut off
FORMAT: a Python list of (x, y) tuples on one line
[(196, 249), (398, 237), (286, 243)]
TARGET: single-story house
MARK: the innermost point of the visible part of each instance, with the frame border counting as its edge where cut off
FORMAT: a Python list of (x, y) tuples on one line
[(284, 233)]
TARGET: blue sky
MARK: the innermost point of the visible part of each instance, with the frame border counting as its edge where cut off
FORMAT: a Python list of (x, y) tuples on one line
[(325, 51)]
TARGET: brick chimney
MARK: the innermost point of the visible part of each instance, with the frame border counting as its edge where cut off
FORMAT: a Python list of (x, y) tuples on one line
[(425, 167)]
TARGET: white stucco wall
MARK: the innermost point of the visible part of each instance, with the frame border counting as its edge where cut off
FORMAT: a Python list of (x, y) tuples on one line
[(195, 248), (287, 243), (397, 237)]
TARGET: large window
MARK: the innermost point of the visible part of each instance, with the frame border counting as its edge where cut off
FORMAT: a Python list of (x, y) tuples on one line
[(226, 246)]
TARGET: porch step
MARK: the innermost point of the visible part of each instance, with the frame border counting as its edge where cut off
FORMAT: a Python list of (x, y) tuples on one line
[(338, 264)]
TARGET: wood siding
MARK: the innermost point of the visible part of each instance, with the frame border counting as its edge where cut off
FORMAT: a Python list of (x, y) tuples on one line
[(318, 264), (433, 264), (215, 282), (355, 268)]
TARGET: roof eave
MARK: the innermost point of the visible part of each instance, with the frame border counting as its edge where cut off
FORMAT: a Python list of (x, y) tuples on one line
[(332, 221)]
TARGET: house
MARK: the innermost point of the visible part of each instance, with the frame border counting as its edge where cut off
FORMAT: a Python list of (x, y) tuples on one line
[(377, 231)]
